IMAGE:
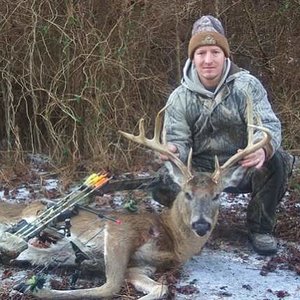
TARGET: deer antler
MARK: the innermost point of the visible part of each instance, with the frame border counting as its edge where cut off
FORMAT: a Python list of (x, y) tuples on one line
[(156, 145), (250, 148)]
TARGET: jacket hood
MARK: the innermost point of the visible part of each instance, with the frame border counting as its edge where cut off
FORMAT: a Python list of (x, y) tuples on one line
[(192, 82)]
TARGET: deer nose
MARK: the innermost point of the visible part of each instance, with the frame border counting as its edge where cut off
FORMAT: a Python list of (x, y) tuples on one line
[(201, 227)]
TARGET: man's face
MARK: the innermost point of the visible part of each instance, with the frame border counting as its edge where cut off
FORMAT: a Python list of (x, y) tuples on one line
[(209, 62)]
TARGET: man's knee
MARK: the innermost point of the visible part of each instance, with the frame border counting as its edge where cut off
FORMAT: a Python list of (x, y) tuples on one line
[(284, 160)]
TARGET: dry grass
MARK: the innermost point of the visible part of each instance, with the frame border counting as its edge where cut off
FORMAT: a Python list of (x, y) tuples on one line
[(74, 72)]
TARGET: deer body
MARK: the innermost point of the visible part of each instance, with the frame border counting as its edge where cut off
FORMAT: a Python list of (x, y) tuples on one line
[(134, 249)]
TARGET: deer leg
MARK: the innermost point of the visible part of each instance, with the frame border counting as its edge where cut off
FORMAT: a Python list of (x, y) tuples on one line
[(139, 277), (116, 256)]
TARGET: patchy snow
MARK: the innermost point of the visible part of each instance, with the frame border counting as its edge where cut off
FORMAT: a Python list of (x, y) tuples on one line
[(51, 183), (228, 200), (220, 274)]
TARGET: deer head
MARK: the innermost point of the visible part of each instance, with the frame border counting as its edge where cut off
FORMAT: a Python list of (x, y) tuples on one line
[(197, 204)]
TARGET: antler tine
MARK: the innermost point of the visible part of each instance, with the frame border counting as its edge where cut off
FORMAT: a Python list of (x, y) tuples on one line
[(141, 128), (216, 175), (156, 145), (251, 147), (158, 125)]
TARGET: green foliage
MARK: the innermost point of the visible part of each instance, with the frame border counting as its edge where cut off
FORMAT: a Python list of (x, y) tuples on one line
[(36, 282), (44, 30), (77, 98), (131, 205)]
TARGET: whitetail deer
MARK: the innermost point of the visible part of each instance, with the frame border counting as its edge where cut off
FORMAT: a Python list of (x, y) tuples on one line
[(147, 241)]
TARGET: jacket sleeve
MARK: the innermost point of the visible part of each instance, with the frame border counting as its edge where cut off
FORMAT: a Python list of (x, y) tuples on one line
[(176, 125), (263, 110)]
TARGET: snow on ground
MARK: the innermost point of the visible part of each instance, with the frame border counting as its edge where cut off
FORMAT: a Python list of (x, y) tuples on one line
[(219, 274)]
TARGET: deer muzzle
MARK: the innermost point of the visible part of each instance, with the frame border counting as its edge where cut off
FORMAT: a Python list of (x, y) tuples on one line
[(201, 227)]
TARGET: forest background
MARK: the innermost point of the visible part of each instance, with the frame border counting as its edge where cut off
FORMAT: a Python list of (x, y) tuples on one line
[(74, 72)]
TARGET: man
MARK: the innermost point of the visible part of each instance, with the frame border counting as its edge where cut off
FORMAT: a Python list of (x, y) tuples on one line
[(208, 113)]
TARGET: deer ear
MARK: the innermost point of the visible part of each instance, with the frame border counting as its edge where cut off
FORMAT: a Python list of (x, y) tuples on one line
[(233, 176), (175, 173)]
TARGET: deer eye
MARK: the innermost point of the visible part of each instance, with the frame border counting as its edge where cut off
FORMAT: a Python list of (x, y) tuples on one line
[(188, 196), (216, 197)]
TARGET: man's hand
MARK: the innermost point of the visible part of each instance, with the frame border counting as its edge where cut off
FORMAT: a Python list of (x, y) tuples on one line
[(255, 159), (172, 148)]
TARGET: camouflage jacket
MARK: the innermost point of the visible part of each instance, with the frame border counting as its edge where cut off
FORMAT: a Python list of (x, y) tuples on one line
[(214, 123)]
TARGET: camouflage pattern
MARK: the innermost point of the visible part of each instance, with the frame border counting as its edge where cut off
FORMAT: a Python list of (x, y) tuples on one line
[(214, 122), (267, 186)]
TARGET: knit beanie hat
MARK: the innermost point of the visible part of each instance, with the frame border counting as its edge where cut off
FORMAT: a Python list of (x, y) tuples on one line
[(208, 31)]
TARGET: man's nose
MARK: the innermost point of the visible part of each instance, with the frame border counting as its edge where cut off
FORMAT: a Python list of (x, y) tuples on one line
[(208, 58)]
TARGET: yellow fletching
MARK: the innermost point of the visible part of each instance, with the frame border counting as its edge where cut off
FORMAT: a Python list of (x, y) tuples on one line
[(90, 179)]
